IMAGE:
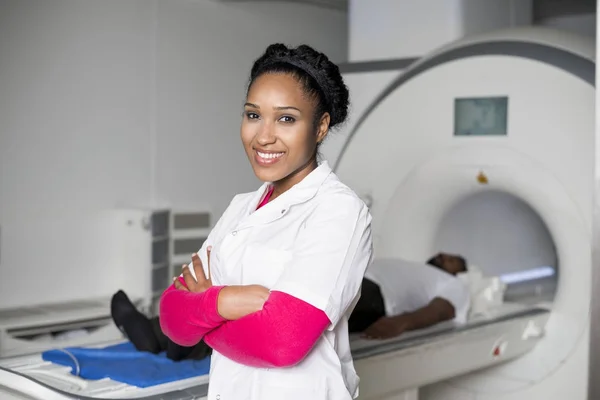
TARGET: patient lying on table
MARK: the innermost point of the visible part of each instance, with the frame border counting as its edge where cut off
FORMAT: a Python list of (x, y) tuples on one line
[(399, 296)]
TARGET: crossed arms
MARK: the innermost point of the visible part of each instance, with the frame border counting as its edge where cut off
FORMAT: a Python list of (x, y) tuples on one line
[(277, 328)]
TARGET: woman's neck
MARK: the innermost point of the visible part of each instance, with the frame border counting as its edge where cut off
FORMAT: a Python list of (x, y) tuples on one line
[(295, 177)]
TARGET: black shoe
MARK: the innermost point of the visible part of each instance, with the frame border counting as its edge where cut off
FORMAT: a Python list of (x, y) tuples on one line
[(135, 325)]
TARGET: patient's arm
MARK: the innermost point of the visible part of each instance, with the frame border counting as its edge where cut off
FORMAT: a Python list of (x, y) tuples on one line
[(438, 310)]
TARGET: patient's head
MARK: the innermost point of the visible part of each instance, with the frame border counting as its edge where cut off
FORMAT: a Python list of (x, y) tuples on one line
[(451, 263)]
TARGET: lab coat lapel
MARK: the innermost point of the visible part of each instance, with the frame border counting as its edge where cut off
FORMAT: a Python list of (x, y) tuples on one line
[(254, 200), (299, 193)]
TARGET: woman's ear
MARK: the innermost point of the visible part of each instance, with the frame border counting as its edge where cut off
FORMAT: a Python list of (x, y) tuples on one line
[(323, 127)]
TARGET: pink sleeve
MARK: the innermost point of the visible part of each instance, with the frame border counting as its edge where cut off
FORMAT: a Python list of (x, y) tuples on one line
[(186, 317), (280, 335)]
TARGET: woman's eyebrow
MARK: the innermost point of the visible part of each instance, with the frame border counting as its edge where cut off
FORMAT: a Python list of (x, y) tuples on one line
[(287, 108), (278, 108)]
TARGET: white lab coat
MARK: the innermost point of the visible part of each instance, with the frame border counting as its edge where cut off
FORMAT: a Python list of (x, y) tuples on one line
[(314, 243)]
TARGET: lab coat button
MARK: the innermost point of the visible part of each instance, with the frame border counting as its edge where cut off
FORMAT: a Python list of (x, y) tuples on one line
[(218, 397), (283, 211), (234, 233)]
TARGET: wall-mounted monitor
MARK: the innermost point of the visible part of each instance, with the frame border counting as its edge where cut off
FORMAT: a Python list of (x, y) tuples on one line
[(481, 116)]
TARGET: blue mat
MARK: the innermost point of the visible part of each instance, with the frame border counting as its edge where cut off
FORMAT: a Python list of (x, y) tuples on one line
[(123, 363)]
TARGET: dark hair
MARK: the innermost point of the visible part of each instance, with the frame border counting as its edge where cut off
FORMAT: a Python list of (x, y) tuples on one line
[(320, 78), (461, 260), (463, 263)]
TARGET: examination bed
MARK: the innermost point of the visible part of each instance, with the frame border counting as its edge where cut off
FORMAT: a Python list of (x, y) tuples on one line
[(409, 361)]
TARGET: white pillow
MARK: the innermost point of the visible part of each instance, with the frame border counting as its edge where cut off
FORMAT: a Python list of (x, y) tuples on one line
[(487, 293)]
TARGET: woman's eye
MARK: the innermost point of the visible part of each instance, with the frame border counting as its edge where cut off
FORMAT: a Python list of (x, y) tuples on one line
[(287, 119), (251, 115)]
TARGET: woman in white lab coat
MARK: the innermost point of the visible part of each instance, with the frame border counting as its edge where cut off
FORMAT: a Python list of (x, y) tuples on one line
[(273, 285)]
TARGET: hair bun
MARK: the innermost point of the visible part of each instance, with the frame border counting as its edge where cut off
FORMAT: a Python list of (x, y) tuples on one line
[(277, 50)]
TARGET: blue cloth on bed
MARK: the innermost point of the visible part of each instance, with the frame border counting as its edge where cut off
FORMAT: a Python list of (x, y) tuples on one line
[(124, 363)]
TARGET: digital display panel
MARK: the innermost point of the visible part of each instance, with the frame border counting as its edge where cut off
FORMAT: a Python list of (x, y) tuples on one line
[(481, 116)]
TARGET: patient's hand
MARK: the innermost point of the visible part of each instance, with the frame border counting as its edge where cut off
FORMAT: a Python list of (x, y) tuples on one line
[(192, 285), (388, 327)]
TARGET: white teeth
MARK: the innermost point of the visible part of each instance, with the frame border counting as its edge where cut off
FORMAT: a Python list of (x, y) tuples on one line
[(269, 155)]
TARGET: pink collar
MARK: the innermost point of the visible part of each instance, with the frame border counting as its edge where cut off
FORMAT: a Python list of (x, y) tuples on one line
[(266, 197)]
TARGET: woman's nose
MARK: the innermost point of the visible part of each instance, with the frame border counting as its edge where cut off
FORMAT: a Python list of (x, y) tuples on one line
[(266, 135)]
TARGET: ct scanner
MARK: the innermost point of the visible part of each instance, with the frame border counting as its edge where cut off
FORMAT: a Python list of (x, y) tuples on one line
[(421, 147), (510, 112)]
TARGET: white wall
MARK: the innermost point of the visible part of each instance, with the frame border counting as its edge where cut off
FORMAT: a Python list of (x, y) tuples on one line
[(400, 31), (583, 24), (406, 29), (122, 102), (76, 95)]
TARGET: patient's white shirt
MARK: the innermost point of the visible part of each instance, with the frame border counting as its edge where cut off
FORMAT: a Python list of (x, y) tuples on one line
[(407, 286)]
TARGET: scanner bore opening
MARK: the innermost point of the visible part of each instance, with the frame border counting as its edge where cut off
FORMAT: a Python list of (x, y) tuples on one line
[(503, 236)]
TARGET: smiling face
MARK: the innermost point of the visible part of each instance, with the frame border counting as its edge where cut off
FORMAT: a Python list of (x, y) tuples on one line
[(278, 130)]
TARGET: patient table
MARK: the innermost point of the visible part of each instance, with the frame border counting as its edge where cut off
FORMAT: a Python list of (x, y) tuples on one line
[(409, 361)]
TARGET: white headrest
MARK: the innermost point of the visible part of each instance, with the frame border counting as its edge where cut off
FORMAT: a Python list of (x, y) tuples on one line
[(486, 292)]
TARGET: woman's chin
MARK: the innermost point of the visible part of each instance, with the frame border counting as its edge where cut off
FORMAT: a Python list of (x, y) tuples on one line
[(267, 174)]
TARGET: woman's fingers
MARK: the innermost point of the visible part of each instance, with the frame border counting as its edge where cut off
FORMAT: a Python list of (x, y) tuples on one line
[(198, 269), (195, 280), (188, 277), (208, 250), (178, 285)]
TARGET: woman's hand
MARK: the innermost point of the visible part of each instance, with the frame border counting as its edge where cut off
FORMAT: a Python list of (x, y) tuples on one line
[(236, 302), (233, 302), (192, 285), (188, 308)]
